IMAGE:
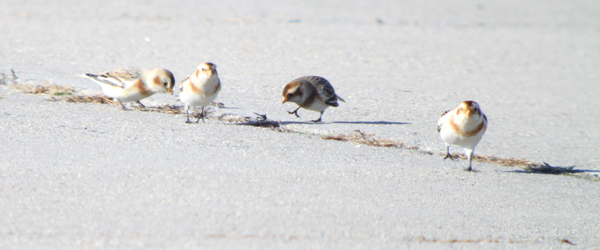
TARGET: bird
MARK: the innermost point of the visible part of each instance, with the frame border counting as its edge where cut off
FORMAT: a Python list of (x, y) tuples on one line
[(200, 88), (131, 84), (463, 126), (311, 92)]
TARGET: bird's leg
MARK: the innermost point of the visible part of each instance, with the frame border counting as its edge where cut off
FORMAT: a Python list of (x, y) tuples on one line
[(448, 154), (319, 120), (295, 112), (120, 103), (141, 104), (470, 161), (201, 115), (187, 111)]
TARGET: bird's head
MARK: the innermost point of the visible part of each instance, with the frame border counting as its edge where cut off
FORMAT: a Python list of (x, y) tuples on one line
[(162, 80), (292, 92), (468, 108), (207, 69)]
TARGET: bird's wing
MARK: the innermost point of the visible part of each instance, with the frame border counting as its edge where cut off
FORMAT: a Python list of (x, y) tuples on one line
[(442, 119), (122, 77), (101, 79), (184, 83), (324, 89), (445, 112)]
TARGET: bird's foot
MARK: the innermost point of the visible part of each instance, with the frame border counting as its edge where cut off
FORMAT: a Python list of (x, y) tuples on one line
[(201, 117), (448, 155), (469, 169), (295, 112)]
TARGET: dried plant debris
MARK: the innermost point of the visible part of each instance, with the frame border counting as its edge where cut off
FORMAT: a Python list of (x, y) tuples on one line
[(233, 118), (366, 139), (264, 124), (167, 109), (484, 240), (547, 169), (567, 242), (2, 96), (262, 121), (510, 162), (6, 79), (102, 99), (45, 88), (217, 104), (36, 87), (372, 140), (259, 121), (261, 117)]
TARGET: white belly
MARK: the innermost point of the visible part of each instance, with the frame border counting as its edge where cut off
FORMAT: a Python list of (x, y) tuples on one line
[(123, 95), (318, 106), (197, 100), (454, 139)]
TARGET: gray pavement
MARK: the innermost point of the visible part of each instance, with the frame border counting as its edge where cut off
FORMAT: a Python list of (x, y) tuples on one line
[(91, 176)]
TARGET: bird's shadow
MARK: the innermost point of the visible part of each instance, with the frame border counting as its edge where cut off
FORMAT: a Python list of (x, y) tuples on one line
[(345, 122), (229, 107), (299, 122), (574, 171), (372, 122)]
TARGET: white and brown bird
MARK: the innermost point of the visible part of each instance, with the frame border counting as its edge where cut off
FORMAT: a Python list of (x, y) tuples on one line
[(130, 84), (311, 92), (463, 126), (200, 88)]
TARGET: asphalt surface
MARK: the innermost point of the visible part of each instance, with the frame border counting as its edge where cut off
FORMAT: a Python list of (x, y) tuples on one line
[(89, 176)]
